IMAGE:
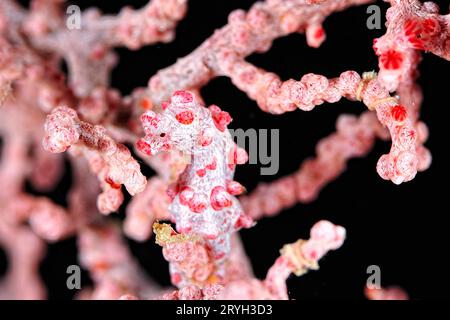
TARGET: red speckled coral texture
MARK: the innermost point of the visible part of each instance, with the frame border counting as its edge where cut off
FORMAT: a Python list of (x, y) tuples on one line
[(187, 143)]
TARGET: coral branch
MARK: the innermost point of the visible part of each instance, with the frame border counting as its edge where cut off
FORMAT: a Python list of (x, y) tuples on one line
[(201, 203), (145, 208), (189, 257), (188, 145), (297, 258), (301, 256), (389, 293), (354, 138), (113, 270), (91, 61), (111, 161), (25, 251)]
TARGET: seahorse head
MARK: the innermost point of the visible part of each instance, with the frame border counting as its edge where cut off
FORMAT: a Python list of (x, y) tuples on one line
[(176, 127)]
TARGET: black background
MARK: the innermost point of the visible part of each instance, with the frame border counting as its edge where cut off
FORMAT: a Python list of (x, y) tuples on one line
[(402, 228)]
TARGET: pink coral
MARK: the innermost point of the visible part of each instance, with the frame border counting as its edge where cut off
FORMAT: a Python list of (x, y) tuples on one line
[(201, 202), (389, 293), (111, 161), (187, 144), (297, 258)]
